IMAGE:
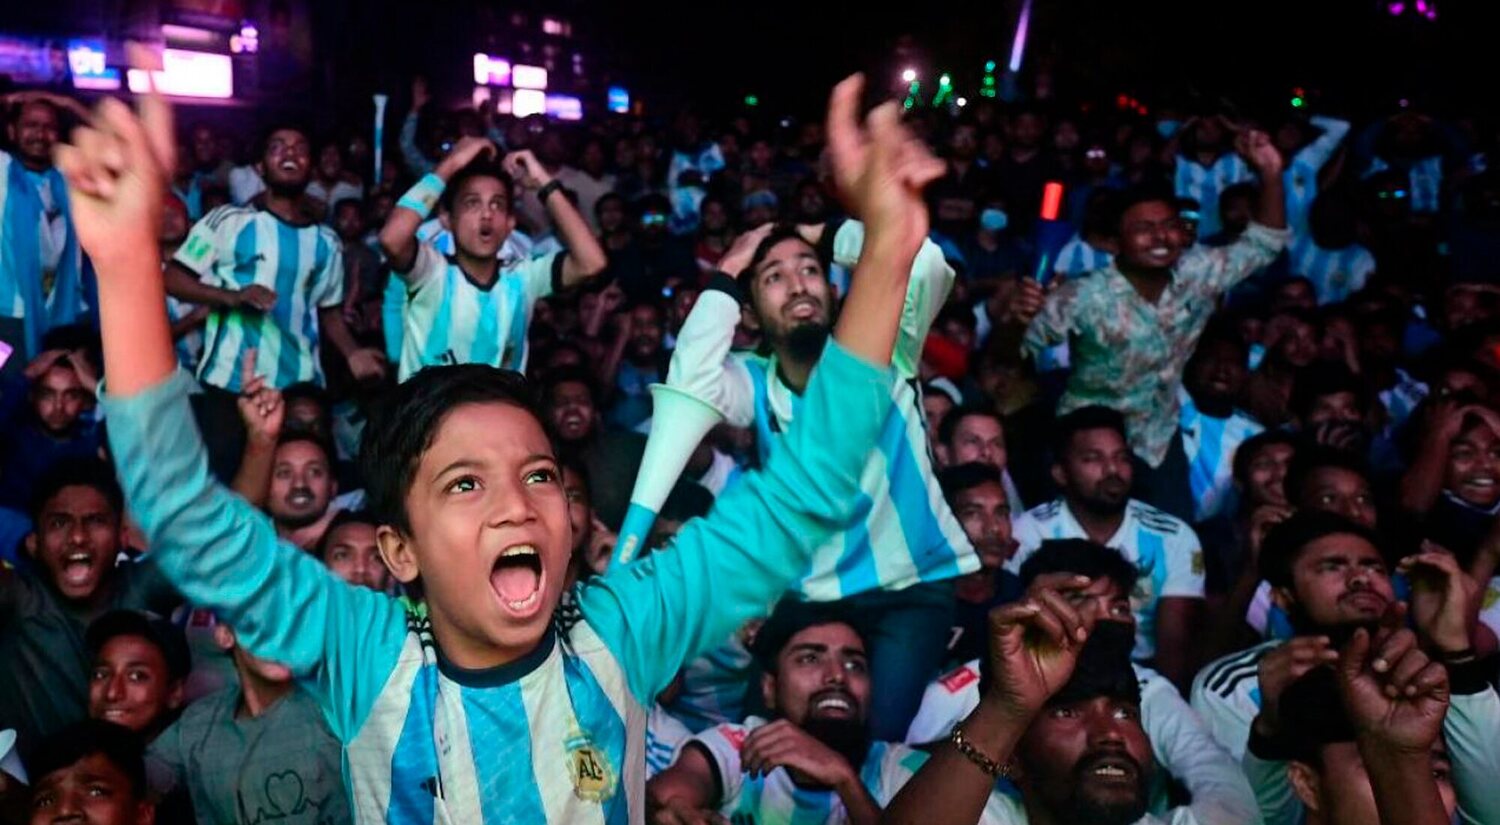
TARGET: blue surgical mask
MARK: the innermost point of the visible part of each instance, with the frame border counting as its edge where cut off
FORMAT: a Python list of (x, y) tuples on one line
[(993, 220), (1167, 127)]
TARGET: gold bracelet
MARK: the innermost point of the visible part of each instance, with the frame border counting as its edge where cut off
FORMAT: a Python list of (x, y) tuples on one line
[(971, 753)]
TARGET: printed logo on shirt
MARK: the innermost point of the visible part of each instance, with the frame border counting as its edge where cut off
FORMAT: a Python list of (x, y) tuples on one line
[(960, 679), (733, 734), (1491, 596), (197, 248), (593, 776), (1197, 562)]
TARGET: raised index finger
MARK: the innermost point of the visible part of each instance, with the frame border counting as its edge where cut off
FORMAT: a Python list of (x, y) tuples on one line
[(844, 138)]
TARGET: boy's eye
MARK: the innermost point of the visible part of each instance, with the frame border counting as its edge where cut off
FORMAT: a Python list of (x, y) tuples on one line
[(545, 475), (463, 484)]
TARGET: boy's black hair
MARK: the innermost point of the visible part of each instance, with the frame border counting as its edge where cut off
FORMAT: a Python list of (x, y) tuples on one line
[(567, 375), (308, 391), (1083, 419), (480, 167), (167, 637), (1310, 457), (404, 423), (949, 427), (296, 436), (340, 519), (121, 746), (1220, 330), (77, 472), (1243, 189), (355, 203), (1322, 380), (608, 197), (1253, 445), (1080, 557), (958, 478), (1286, 541)]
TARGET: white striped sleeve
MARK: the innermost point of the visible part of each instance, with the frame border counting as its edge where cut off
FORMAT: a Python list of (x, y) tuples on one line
[(701, 364)]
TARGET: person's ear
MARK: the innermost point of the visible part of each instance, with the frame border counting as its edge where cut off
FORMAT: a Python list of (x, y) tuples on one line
[(177, 694), (510, 222), (1058, 476), (145, 813), (1306, 784), (30, 544), (443, 219), (768, 690), (749, 318), (224, 637), (1284, 598), (941, 453), (397, 552)]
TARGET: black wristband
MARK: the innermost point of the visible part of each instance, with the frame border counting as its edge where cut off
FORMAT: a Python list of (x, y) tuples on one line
[(1470, 677), (720, 281), (546, 191)]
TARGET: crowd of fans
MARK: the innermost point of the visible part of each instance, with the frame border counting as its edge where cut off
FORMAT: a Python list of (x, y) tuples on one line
[(1178, 507)]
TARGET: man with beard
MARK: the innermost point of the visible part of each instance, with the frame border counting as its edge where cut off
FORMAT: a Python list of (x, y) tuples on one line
[(51, 427), (44, 612), (1212, 429), (1093, 469), (464, 308), (896, 559), (815, 762), (1131, 327), (1291, 345), (41, 273), (1059, 718), (273, 275), (1096, 579)]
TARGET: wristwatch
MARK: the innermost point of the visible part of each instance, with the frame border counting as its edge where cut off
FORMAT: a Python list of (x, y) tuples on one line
[(546, 191)]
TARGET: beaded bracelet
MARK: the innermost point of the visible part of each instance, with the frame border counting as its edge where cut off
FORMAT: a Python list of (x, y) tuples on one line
[(971, 753)]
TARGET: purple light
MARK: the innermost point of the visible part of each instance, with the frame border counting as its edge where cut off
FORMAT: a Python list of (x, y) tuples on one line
[(1018, 45), (1396, 9)]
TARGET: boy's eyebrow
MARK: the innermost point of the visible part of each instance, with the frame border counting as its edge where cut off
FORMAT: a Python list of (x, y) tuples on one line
[(461, 464)]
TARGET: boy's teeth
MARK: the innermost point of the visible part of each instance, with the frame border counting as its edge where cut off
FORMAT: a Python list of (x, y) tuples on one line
[(520, 550)]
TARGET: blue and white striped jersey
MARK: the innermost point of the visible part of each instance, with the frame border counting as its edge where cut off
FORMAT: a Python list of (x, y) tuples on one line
[(1210, 444), (1204, 184), (774, 799), (555, 736), (665, 737), (902, 531), (234, 247), (1301, 174), (1425, 177), (451, 319), (1402, 398), (41, 264), (714, 686), (1161, 546), (1079, 257), (1335, 273)]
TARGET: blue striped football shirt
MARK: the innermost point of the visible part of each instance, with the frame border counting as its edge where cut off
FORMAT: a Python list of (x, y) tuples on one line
[(1300, 178), (1079, 257), (774, 799), (1425, 177), (451, 319), (1204, 184), (557, 735), (1210, 444), (234, 247), (1335, 273), (1163, 548), (902, 531)]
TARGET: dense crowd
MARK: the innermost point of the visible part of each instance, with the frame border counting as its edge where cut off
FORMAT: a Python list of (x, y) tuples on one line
[(854, 476)]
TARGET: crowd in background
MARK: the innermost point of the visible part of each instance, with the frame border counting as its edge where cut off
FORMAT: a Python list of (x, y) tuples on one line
[(1244, 380)]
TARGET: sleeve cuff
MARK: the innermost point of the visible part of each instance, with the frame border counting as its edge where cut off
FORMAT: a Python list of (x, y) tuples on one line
[(1268, 235), (825, 243), (557, 271), (720, 281), (1471, 677), (849, 366)]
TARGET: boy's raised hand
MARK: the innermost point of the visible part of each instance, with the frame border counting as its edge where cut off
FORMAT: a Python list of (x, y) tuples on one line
[(116, 167)]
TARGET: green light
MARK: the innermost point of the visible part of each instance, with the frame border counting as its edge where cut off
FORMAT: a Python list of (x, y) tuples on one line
[(752, 100), (989, 81), (1298, 103), (989, 65), (945, 80)]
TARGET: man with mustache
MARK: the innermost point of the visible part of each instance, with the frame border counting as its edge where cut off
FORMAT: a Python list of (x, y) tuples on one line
[(815, 762), (1096, 579), (979, 499), (1093, 468), (302, 490), (897, 557)]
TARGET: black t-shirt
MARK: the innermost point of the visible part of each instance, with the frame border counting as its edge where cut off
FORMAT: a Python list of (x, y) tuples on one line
[(44, 683)]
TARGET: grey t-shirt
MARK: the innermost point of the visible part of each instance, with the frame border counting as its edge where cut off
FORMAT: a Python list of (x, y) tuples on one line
[(283, 766), (44, 685)]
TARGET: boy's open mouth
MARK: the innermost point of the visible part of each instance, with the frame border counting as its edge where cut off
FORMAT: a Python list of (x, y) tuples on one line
[(517, 579)]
